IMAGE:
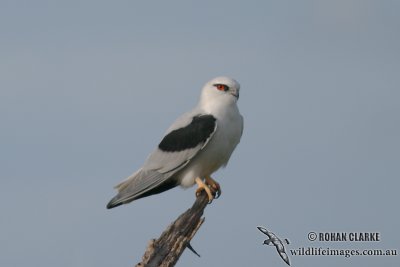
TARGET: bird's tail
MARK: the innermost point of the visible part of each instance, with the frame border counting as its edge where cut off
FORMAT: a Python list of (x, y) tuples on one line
[(117, 200), (141, 184), (114, 202)]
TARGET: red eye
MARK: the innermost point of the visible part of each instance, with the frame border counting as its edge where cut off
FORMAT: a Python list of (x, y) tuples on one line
[(221, 87)]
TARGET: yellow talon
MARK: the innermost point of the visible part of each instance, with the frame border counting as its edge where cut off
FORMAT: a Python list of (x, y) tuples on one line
[(202, 186), (214, 186)]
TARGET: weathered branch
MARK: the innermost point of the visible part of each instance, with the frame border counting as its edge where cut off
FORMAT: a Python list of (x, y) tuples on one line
[(166, 250)]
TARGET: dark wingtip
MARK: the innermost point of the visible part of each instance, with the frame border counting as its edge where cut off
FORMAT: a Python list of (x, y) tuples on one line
[(113, 204)]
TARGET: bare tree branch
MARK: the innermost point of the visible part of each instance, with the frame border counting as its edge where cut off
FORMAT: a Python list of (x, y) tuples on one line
[(166, 250)]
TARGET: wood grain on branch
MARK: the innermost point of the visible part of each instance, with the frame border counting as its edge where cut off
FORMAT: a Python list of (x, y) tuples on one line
[(166, 250)]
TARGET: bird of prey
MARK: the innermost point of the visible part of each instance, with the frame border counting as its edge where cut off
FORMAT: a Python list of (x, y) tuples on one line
[(196, 145), (273, 240)]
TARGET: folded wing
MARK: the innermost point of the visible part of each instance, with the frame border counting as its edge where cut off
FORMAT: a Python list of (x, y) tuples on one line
[(186, 137)]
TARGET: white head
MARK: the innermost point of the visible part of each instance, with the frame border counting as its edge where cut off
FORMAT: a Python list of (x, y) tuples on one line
[(220, 91)]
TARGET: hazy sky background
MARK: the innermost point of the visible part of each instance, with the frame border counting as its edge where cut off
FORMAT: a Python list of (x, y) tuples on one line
[(87, 89)]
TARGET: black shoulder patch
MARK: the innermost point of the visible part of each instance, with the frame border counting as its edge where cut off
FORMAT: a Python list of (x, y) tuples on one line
[(198, 131)]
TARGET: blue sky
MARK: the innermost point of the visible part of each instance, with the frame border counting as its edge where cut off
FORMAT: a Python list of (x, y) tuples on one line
[(87, 89)]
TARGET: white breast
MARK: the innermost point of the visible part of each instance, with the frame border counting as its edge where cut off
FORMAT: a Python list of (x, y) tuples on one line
[(219, 149)]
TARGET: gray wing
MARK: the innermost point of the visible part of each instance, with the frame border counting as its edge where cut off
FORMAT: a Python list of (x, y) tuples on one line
[(185, 138), (275, 241)]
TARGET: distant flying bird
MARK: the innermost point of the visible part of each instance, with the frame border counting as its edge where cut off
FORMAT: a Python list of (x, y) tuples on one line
[(273, 240), (196, 145)]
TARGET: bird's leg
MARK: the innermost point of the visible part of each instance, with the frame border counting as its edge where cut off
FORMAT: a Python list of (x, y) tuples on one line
[(214, 186), (202, 186)]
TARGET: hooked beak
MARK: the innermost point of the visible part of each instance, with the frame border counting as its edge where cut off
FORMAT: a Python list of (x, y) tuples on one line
[(235, 93)]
